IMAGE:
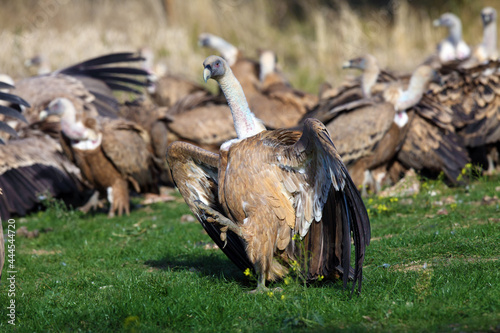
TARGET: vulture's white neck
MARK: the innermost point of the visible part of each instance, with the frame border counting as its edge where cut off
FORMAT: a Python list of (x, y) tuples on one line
[(267, 64), (413, 94), (368, 79), (455, 32), (245, 122), (490, 39)]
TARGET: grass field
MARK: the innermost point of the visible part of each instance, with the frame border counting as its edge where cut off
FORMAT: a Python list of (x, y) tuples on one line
[(432, 265)]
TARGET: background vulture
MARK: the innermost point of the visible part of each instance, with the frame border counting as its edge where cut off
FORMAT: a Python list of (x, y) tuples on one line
[(111, 153), (35, 166)]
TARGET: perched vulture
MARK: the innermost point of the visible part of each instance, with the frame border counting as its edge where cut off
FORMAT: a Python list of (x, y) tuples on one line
[(379, 121), (268, 191), (373, 80), (40, 63), (453, 47), (39, 168), (278, 105), (154, 119), (382, 116), (473, 95), (111, 153), (487, 50)]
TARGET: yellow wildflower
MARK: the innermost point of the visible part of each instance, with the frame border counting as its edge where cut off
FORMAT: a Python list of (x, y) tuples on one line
[(247, 272)]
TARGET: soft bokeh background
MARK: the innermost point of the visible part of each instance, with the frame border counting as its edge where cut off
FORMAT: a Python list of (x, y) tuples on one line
[(311, 37)]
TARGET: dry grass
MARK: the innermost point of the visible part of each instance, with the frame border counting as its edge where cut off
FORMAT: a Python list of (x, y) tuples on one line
[(310, 50)]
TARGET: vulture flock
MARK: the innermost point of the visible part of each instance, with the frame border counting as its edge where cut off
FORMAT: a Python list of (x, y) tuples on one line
[(275, 175)]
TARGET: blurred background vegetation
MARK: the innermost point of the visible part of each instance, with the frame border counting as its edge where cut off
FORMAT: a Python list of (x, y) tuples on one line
[(311, 37)]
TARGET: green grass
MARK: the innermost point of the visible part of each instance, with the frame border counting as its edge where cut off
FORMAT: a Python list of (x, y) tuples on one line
[(151, 272)]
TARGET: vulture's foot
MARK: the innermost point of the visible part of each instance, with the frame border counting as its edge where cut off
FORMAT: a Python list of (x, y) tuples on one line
[(118, 198), (151, 198), (213, 216), (93, 203), (261, 287)]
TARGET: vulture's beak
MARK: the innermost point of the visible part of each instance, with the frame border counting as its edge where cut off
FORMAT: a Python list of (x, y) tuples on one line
[(436, 22), (48, 111), (346, 64), (43, 115), (202, 42), (207, 74)]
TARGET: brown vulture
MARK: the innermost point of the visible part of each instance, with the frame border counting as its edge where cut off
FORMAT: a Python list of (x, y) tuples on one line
[(111, 153), (39, 168), (273, 198), (473, 96)]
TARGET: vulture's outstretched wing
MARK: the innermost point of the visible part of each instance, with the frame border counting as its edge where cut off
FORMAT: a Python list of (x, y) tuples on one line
[(34, 167), (116, 78), (14, 101), (195, 173), (328, 205)]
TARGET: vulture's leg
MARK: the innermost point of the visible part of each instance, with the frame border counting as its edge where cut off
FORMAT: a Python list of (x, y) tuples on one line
[(261, 284), (118, 198), (92, 203), (367, 182), (195, 172), (214, 216)]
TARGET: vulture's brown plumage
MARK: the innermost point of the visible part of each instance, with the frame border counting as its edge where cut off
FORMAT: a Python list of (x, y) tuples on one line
[(368, 109), (111, 153), (278, 105), (473, 96), (267, 189), (34, 168)]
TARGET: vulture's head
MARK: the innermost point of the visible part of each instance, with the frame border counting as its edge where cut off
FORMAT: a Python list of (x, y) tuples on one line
[(226, 49), (488, 15), (215, 68), (40, 63), (366, 62), (448, 20), (71, 122), (206, 40), (426, 73)]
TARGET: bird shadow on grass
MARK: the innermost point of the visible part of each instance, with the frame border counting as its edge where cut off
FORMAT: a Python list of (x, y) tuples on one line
[(211, 265)]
